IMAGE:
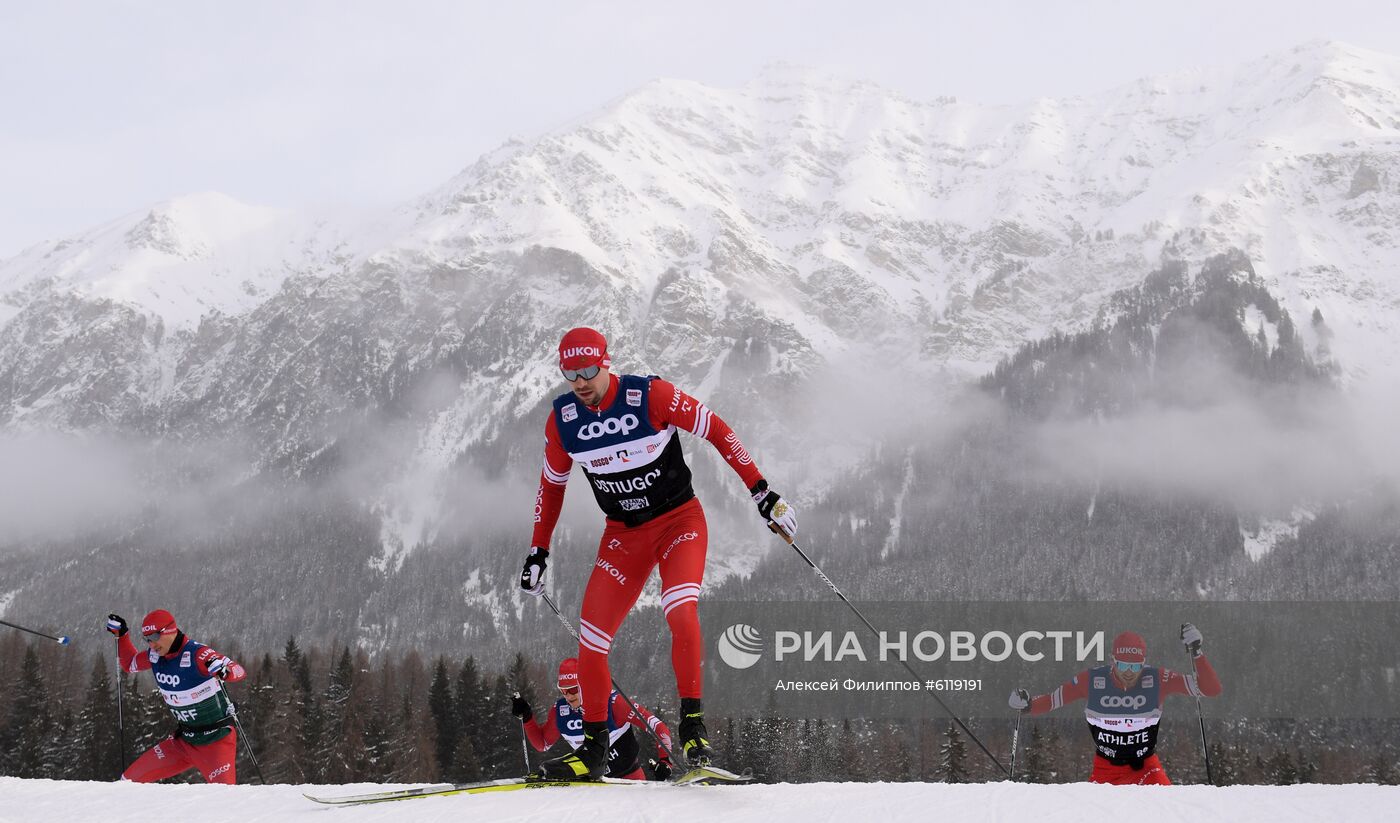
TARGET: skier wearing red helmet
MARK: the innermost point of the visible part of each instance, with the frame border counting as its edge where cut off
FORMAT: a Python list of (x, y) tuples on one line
[(1124, 704), (566, 721), (622, 431), (189, 676)]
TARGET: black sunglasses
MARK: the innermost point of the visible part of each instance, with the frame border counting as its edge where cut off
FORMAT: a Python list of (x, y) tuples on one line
[(152, 637), (587, 373)]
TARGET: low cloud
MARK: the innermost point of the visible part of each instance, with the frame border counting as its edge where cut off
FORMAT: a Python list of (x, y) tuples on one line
[(1262, 452)]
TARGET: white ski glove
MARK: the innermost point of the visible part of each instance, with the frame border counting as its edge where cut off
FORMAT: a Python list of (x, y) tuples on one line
[(774, 509), (1020, 700), (220, 667), (1191, 639)]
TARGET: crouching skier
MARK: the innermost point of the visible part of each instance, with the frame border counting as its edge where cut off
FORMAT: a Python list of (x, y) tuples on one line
[(566, 721), (189, 677), (1123, 705)]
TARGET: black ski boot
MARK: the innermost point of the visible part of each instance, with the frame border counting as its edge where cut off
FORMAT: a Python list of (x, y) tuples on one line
[(588, 762), (694, 742)]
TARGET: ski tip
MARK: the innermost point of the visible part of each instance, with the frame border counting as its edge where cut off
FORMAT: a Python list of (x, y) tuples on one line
[(64, 640)]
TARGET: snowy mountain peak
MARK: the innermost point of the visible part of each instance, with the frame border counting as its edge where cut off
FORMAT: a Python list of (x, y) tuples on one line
[(179, 261), (193, 226)]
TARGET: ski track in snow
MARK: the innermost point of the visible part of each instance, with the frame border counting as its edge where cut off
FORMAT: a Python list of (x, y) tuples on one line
[(52, 800)]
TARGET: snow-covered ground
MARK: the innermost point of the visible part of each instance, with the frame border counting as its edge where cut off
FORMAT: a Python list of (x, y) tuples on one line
[(50, 800)]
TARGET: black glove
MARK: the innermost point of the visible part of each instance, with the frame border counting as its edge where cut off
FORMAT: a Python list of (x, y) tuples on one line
[(532, 576), (116, 624), (1020, 700), (660, 769), (1191, 639), (520, 707), (774, 509)]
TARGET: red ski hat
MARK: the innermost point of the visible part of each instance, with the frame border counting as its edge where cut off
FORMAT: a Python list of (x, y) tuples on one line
[(1130, 648), (568, 673), (159, 620), (583, 347)]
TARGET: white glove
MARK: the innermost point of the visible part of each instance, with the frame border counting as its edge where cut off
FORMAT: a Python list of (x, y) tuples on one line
[(220, 667), (1191, 639), (1020, 700), (774, 509)]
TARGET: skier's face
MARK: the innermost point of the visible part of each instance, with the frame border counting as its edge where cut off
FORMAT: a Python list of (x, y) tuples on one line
[(162, 643), (574, 697), (1127, 673), (590, 390)]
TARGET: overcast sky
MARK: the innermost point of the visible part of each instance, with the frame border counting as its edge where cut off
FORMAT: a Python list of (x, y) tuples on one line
[(107, 107)]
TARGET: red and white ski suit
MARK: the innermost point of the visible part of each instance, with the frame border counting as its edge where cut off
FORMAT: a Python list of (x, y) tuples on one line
[(1205, 683), (675, 541), (187, 660)]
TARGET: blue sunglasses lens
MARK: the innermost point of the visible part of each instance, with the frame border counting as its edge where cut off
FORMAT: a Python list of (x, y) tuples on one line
[(1128, 667)]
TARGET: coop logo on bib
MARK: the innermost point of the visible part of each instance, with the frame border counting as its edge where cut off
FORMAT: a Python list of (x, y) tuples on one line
[(625, 424), (1114, 701)]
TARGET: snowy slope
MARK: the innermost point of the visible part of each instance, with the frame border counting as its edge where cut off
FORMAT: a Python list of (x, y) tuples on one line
[(48, 800)]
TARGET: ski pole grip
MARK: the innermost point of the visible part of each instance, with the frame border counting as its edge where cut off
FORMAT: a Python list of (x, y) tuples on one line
[(778, 530)]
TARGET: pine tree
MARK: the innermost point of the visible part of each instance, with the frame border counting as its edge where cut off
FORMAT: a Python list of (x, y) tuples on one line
[(375, 759), (414, 755), (96, 728), (1280, 769), (1038, 766), (850, 753), (341, 738), (1224, 765), (444, 716), (26, 735), (470, 702), (953, 757), (497, 750), (61, 756), (412, 739), (313, 735), (277, 702), (520, 680), (1382, 771), (466, 766), (258, 714)]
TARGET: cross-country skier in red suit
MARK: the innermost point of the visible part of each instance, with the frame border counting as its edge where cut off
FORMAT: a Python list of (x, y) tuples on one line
[(622, 432), (1124, 703), (565, 720), (189, 676)]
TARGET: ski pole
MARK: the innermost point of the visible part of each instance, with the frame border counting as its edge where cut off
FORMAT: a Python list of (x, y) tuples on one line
[(778, 530), (238, 724), (625, 698), (524, 739), (62, 641), (1015, 744), (1200, 715), (121, 723)]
